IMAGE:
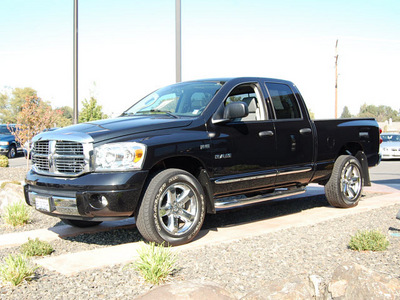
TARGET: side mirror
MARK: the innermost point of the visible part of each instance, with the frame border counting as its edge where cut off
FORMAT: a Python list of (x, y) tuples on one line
[(232, 111)]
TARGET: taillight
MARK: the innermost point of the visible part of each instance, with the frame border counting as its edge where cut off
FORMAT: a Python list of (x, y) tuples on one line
[(380, 139)]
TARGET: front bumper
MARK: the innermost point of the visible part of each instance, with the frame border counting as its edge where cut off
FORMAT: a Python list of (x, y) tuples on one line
[(391, 154), (93, 196), (4, 149)]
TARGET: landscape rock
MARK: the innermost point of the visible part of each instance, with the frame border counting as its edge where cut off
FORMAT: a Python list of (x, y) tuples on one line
[(298, 287), (353, 281), (350, 281), (10, 193), (188, 290)]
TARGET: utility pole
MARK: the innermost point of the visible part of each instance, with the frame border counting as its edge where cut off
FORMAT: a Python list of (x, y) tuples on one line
[(336, 78), (75, 62), (178, 39)]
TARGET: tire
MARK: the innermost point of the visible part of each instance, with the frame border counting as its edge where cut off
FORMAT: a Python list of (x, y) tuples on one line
[(173, 208), (12, 152), (345, 185), (80, 223)]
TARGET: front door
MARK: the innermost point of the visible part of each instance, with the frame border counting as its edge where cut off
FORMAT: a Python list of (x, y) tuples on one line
[(244, 150)]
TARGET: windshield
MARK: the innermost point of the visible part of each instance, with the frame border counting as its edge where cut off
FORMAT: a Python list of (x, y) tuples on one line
[(4, 130), (183, 99), (390, 137)]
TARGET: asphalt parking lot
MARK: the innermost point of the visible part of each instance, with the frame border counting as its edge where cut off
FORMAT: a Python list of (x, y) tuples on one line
[(19, 161), (387, 173)]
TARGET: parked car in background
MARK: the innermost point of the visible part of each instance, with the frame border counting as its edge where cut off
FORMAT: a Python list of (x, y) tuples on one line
[(390, 147), (8, 145)]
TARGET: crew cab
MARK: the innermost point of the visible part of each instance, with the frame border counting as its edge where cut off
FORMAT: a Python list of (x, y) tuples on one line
[(195, 147)]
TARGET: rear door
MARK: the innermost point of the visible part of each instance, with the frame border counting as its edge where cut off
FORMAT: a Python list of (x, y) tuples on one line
[(294, 135)]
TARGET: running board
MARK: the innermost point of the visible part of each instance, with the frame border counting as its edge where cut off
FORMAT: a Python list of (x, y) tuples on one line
[(235, 201)]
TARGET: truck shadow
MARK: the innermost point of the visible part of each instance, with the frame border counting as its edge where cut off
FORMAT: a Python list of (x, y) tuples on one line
[(232, 217), (263, 211), (112, 237)]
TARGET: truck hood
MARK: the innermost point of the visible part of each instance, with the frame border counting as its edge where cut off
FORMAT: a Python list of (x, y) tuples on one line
[(114, 128)]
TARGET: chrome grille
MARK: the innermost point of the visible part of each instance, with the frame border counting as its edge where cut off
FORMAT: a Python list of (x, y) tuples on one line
[(69, 148), (41, 147), (40, 154), (61, 157), (41, 163), (70, 165)]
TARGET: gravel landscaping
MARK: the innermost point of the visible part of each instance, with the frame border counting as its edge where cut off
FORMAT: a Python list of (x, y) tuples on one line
[(240, 267)]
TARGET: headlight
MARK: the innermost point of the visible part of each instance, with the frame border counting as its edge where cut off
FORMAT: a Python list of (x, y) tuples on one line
[(119, 157), (4, 143)]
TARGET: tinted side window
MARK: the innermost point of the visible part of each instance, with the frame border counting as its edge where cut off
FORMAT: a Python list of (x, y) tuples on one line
[(247, 93), (283, 101)]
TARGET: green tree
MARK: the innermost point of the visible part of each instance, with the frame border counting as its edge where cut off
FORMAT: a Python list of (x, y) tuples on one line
[(346, 113), (381, 113), (91, 111), (66, 116), (11, 105)]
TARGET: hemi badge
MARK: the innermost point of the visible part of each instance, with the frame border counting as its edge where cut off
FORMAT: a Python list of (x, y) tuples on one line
[(223, 156)]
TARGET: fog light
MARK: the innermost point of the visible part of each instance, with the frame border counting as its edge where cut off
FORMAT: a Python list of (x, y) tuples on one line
[(98, 201)]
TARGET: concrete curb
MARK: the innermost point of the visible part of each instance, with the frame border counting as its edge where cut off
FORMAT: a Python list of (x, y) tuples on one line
[(70, 264), (53, 233)]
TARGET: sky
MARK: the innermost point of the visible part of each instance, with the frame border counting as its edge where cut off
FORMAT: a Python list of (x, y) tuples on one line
[(127, 48)]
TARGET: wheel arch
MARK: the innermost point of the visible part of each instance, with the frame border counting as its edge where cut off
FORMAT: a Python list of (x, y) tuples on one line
[(189, 164), (350, 149), (356, 150)]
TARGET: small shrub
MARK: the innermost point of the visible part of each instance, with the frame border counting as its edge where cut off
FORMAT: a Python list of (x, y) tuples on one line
[(16, 269), (3, 161), (36, 248), (3, 184), (369, 240), (155, 263), (16, 214)]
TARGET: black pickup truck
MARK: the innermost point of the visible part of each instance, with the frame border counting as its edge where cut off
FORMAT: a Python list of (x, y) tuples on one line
[(194, 147)]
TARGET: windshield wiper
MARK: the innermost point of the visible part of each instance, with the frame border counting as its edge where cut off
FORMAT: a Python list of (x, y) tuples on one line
[(158, 111), (127, 114)]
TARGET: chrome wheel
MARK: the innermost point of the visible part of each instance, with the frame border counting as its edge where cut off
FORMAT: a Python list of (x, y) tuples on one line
[(344, 187), (351, 182), (173, 208), (178, 208), (12, 152)]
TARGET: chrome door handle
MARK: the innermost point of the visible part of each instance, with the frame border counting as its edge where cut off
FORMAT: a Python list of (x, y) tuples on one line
[(305, 130), (266, 133)]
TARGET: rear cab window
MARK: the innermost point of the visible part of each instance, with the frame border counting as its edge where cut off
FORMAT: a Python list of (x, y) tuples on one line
[(283, 101)]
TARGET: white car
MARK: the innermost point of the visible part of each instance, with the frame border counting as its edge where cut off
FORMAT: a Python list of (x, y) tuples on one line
[(390, 147)]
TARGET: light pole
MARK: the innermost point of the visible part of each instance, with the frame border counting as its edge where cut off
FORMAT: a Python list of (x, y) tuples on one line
[(336, 78), (75, 62), (178, 39)]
